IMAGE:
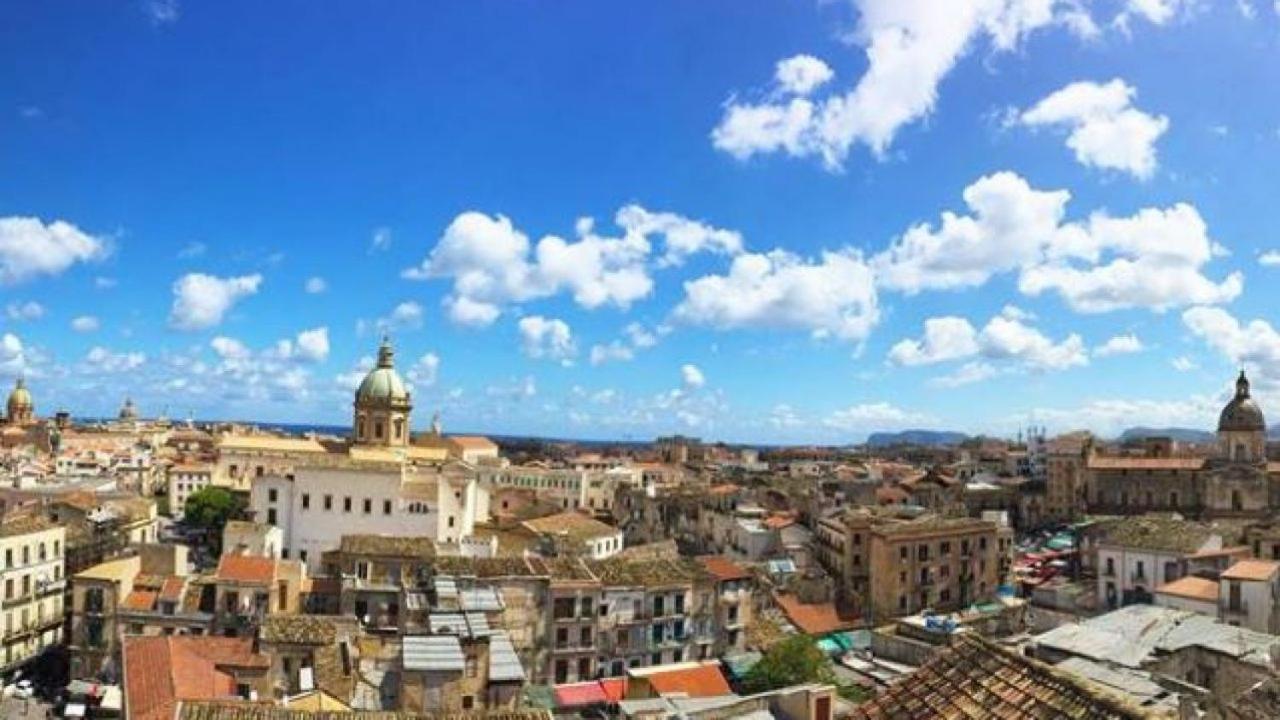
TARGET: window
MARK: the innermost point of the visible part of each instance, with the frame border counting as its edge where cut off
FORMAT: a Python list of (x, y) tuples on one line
[(562, 637), (346, 504), (306, 501), (271, 516), (368, 506), (272, 495), (386, 507), (377, 429), (328, 502), (902, 553), (302, 555), (450, 521), (468, 701)]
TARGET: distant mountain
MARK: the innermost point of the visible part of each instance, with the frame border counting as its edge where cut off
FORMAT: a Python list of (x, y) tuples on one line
[(1190, 435), (916, 437)]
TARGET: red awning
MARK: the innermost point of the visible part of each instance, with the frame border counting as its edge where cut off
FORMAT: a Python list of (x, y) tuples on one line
[(596, 692)]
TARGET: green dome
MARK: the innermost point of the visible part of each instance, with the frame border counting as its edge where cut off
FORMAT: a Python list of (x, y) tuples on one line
[(383, 383)]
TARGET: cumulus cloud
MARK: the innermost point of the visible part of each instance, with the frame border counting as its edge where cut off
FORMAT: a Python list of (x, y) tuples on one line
[(1182, 363), (200, 301), (407, 315), (29, 248), (13, 356), (910, 46), (1111, 416), (1254, 344), (313, 345), (635, 337), (24, 311), (101, 359), (945, 338), (873, 416), (1156, 12), (279, 372), (1104, 129), (380, 240), (315, 285), (801, 74), (966, 374), (549, 338), (229, 348), (832, 296), (424, 371), (1003, 338), (1270, 258), (691, 377), (85, 324), (492, 264), (1126, 344), (1153, 259)]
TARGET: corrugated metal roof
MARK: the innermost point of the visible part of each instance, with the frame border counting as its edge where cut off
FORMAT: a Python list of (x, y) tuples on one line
[(440, 653), (504, 664), (478, 623), (482, 599), (446, 587), (447, 624)]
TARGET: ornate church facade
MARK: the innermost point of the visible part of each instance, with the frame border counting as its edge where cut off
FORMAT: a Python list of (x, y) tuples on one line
[(1234, 481)]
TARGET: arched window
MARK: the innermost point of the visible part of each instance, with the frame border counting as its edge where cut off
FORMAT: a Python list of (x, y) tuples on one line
[(377, 429)]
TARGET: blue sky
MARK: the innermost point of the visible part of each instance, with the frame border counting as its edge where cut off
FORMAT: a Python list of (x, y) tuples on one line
[(810, 220)]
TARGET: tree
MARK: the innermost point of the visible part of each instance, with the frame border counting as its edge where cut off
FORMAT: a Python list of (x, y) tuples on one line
[(794, 661), (209, 508)]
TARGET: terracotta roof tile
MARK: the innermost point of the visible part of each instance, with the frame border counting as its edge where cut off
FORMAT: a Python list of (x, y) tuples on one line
[(139, 600), (723, 568), (247, 568), (705, 680), (975, 678), (161, 671), (173, 588), (1251, 570), (1192, 587), (813, 618)]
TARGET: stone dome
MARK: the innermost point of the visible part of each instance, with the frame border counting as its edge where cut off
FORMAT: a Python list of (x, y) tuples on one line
[(1242, 414), (20, 397), (383, 384)]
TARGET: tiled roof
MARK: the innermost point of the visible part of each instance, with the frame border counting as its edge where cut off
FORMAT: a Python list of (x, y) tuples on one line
[(1256, 570), (23, 525), (247, 568), (574, 525), (298, 630), (256, 711), (723, 568), (389, 545), (649, 573), (473, 442), (1136, 463), (813, 618), (700, 680), (160, 671), (1191, 587), (1162, 533), (173, 588), (975, 678), (139, 600)]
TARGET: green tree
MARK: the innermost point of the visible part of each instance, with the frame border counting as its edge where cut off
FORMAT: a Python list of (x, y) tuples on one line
[(795, 661), (210, 508)]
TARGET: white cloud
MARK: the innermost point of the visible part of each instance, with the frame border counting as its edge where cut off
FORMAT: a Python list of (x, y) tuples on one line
[(229, 348), (966, 374), (407, 315), (615, 350), (380, 240), (161, 12), (691, 376), (549, 338), (13, 356), (783, 416), (873, 416), (193, 249), (1254, 345), (200, 301), (1270, 258), (313, 345), (23, 311), (1007, 338), (29, 248), (945, 338), (85, 324), (492, 264), (910, 45), (104, 283), (1182, 363), (1112, 415), (833, 296), (101, 359), (1153, 259), (637, 337), (424, 372), (316, 285), (1104, 129), (801, 74), (1120, 345), (1157, 12)]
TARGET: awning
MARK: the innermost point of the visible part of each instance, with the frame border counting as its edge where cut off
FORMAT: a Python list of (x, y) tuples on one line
[(596, 692)]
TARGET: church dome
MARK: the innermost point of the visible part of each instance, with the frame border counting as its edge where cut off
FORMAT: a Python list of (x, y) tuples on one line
[(1242, 414), (383, 384), (20, 397), (128, 411)]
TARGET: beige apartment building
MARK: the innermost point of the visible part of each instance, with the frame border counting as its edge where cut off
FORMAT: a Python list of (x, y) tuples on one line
[(32, 577), (893, 562)]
